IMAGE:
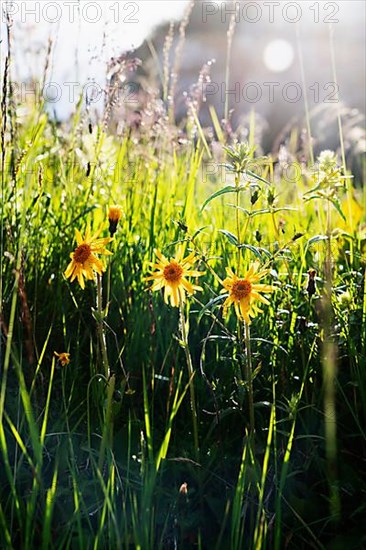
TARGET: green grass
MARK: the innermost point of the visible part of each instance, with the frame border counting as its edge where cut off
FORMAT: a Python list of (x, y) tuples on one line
[(92, 460)]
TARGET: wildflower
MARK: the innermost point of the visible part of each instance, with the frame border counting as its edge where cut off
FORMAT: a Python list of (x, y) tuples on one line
[(83, 260), (328, 178), (240, 157), (114, 215), (245, 292), (63, 357), (327, 161), (171, 275)]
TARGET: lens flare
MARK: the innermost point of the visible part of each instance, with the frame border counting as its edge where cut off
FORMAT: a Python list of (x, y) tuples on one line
[(278, 55)]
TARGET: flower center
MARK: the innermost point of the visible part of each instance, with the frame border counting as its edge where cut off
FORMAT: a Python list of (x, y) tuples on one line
[(173, 272), (82, 253), (241, 289)]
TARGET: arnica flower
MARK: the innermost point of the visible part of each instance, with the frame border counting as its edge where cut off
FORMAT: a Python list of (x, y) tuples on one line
[(171, 275), (245, 292), (83, 260), (114, 215), (63, 357)]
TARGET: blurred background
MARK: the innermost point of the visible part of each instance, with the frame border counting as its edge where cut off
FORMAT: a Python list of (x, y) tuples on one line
[(281, 56)]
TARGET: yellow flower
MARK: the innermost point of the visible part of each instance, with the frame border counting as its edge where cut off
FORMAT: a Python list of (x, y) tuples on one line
[(83, 260), (63, 357), (114, 215), (245, 292), (171, 275)]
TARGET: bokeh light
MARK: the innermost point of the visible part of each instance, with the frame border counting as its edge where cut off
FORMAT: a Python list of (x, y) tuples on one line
[(278, 55)]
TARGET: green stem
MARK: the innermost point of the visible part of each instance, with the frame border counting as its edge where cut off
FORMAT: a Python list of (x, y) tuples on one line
[(230, 36), (245, 229), (248, 376), (100, 327), (108, 423), (277, 233), (184, 335), (329, 361), (109, 277), (237, 182), (238, 231), (306, 103)]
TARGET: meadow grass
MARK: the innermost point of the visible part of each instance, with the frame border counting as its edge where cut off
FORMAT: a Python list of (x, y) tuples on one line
[(176, 427)]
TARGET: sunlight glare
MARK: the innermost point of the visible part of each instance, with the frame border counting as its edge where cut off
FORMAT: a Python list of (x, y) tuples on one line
[(278, 55)]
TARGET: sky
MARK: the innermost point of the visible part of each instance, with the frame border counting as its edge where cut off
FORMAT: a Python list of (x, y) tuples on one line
[(82, 25), (85, 36)]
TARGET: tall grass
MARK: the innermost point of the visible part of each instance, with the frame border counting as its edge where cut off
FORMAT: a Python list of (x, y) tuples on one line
[(147, 438)]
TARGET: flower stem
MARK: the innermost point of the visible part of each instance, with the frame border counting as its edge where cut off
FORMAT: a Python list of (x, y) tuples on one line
[(237, 182), (184, 336), (248, 374), (109, 277), (329, 360), (100, 328)]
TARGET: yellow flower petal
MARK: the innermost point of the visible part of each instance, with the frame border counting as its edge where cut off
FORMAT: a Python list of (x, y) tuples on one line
[(171, 275), (84, 263), (244, 292)]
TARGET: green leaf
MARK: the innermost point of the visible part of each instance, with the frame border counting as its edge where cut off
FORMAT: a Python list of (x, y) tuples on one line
[(312, 190), (212, 302), (246, 212), (227, 166), (317, 239), (254, 213), (196, 233), (231, 237), (223, 191), (253, 175), (98, 316), (337, 206), (265, 252), (257, 370), (256, 251)]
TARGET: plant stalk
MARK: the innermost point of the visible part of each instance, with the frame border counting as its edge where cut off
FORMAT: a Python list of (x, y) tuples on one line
[(100, 328), (184, 336), (248, 375)]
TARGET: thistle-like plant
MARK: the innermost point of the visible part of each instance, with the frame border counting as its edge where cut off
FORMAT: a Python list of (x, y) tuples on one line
[(327, 179)]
